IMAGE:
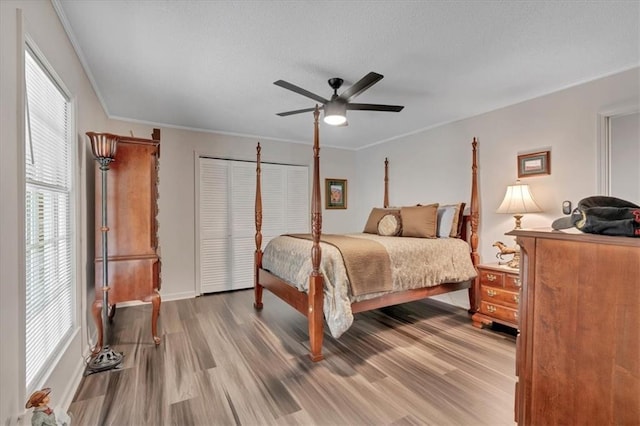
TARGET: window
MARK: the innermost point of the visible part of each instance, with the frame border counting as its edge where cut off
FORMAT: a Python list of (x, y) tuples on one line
[(50, 285)]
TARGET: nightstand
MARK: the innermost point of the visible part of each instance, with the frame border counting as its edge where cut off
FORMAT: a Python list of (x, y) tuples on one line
[(499, 296)]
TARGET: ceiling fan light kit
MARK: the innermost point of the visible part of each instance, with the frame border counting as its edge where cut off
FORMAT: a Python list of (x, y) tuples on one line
[(335, 110), (335, 113)]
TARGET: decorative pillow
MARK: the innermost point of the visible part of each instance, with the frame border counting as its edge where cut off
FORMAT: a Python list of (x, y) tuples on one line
[(420, 221), (456, 228), (450, 220), (390, 225), (371, 227), (446, 216)]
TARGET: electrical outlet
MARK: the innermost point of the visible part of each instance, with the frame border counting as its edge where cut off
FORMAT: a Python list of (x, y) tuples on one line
[(566, 207)]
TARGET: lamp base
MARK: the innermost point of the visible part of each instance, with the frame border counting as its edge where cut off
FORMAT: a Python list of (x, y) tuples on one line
[(106, 359), (518, 218)]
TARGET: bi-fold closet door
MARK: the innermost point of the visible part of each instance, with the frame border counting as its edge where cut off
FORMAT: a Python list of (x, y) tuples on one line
[(226, 217)]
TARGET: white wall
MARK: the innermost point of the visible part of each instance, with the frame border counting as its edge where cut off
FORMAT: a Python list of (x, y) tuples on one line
[(434, 165)]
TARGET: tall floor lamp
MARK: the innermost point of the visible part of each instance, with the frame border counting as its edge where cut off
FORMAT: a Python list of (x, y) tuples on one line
[(104, 146)]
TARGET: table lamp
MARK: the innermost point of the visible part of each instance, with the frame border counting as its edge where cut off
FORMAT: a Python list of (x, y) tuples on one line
[(517, 201)]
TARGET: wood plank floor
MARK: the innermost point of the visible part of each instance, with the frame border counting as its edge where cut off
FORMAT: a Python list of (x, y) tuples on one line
[(222, 363)]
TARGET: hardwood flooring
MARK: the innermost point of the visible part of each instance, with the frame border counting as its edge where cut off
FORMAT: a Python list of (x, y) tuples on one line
[(222, 363)]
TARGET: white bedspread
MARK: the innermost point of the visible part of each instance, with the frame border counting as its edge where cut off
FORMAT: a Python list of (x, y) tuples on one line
[(415, 263)]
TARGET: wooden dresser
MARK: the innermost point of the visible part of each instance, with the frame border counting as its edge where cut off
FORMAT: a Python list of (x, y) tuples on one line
[(134, 261), (577, 355), (499, 296)]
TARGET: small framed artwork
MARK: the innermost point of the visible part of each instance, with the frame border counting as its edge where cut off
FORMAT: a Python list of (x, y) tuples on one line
[(335, 193), (534, 164)]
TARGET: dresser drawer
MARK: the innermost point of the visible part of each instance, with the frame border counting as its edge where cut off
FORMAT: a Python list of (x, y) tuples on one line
[(500, 296), (504, 313)]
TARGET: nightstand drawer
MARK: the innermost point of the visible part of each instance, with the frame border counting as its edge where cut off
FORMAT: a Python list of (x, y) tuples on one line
[(493, 278), (500, 312), (512, 281), (500, 296)]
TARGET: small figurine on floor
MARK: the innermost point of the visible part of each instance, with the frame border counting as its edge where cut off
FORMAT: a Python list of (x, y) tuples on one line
[(42, 414)]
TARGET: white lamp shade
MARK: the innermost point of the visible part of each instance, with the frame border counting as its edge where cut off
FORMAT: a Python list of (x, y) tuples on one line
[(517, 200)]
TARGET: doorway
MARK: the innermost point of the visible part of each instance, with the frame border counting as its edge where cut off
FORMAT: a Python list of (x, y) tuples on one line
[(619, 154)]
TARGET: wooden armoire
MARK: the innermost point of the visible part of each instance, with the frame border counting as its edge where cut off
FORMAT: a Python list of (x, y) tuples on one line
[(133, 257)]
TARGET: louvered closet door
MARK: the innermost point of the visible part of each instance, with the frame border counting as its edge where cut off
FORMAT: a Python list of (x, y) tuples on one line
[(243, 227), (273, 202), (297, 213), (227, 217), (214, 235), (285, 201)]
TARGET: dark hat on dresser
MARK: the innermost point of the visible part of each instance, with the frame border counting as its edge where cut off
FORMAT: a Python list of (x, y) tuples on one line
[(603, 215)]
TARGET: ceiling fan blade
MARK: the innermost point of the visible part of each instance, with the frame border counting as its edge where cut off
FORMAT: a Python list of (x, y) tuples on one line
[(375, 107), (300, 91), (298, 111), (360, 86)]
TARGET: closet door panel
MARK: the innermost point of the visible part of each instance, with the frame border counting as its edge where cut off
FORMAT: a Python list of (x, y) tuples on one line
[(242, 260), (273, 204), (297, 216), (214, 270), (242, 243)]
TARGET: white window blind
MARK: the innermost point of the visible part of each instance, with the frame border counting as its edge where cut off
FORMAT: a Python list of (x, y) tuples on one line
[(48, 236)]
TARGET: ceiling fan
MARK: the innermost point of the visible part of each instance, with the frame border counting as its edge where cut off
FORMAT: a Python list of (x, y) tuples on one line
[(335, 109)]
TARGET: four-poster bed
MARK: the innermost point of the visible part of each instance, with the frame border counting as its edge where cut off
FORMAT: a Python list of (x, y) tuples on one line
[(320, 295)]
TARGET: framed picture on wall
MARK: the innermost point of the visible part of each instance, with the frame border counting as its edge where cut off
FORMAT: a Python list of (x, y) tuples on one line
[(534, 164), (335, 193)]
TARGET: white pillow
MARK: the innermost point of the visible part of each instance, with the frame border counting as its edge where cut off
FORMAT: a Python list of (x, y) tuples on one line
[(446, 216)]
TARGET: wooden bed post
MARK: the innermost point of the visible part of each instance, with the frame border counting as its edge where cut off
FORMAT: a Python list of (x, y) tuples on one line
[(315, 312), (475, 219), (257, 288), (386, 183)]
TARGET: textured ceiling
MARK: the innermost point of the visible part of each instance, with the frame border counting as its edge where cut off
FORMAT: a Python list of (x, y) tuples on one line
[(210, 65)]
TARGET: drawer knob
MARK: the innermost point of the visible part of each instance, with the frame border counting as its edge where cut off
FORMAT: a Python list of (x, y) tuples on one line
[(491, 308), (517, 282), (516, 298), (491, 293), (491, 277)]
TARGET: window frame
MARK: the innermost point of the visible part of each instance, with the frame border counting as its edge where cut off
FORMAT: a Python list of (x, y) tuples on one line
[(53, 360)]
